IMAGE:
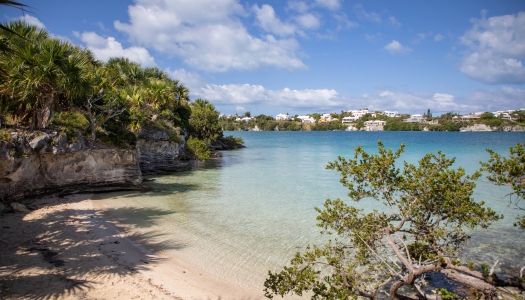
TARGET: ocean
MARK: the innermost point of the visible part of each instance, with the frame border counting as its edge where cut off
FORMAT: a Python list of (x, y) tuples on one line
[(239, 216)]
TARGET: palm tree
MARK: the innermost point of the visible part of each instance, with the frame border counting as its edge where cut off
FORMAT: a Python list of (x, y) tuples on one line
[(42, 72)]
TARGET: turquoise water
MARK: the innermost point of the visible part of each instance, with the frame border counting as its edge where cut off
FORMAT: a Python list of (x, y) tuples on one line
[(248, 212)]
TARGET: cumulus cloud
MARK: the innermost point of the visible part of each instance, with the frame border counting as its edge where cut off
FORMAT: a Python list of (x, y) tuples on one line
[(299, 6), (438, 37), (192, 80), (495, 49), (268, 21), (308, 21), (395, 47), (32, 21), (106, 48), (241, 94), (213, 39)]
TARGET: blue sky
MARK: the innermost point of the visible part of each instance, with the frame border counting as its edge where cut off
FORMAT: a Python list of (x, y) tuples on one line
[(304, 56)]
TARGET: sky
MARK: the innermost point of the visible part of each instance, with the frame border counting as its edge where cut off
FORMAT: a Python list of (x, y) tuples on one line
[(305, 56)]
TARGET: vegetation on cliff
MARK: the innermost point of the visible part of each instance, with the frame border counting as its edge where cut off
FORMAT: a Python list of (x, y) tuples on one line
[(48, 83)]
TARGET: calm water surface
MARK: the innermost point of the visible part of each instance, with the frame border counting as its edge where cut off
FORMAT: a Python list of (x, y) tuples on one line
[(249, 212)]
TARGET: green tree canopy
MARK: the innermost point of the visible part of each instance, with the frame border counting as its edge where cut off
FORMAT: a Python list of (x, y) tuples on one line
[(204, 121), (419, 226), (509, 171)]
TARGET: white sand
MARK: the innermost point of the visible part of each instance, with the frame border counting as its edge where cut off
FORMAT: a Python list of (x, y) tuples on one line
[(65, 249)]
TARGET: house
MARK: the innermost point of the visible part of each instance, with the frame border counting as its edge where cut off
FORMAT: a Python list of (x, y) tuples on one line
[(374, 125), (306, 119), (416, 118), (360, 113), (282, 117), (471, 116), (245, 119), (391, 114), (326, 118), (350, 120)]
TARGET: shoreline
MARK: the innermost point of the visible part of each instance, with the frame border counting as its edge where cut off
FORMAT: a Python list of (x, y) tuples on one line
[(67, 249)]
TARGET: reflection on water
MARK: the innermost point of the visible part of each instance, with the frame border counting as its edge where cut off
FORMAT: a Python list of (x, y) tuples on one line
[(248, 212)]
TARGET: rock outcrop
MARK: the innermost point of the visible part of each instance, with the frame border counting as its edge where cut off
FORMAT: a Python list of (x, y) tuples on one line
[(45, 162), (486, 128), (161, 151)]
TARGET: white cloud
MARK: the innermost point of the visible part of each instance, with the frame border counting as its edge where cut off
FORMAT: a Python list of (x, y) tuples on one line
[(268, 21), (240, 109), (31, 21), (299, 6), (370, 16), (237, 94), (192, 80), (496, 46), (438, 37), (308, 21), (330, 4), (106, 48), (396, 47), (213, 39), (394, 22)]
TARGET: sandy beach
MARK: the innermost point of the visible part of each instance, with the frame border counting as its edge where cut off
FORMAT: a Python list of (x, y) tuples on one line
[(64, 248)]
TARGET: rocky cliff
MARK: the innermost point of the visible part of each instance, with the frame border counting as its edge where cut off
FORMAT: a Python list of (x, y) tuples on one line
[(161, 150), (486, 128), (46, 162)]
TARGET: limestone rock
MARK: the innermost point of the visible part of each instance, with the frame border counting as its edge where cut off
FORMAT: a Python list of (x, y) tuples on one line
[(39, 141), (17, 207)]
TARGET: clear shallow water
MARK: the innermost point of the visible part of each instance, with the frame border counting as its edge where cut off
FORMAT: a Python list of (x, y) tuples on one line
[(249, 212)]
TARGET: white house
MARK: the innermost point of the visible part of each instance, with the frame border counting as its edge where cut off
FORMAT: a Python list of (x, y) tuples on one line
[(350, 119), (245, 119), (361, 112), (391, 114), (283, 117), (306, 119), (416, 118), (374, 125)]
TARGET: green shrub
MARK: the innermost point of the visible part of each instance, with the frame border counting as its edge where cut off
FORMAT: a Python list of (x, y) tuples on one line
[(70, 122), (233, 142), (5, 135), (197, 149)]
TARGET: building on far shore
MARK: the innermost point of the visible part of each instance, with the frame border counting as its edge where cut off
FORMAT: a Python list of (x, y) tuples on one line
[(391, 114), (306, 119), (283, 117)]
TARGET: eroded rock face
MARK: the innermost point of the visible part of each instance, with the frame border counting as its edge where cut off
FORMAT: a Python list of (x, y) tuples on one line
[(40, 163), (161, 151), (486, 128), (85, 170)]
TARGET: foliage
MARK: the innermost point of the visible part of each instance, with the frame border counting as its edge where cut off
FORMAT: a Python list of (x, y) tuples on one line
[(5, 135), (197, 149), (204, 121), (233, 142), (509, 171), (421, 226), (70, 122)]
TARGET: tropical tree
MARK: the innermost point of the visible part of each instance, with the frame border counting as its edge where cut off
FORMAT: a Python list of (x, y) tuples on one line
[(204, 121), (419, 225), (42, 74), (509, 171)]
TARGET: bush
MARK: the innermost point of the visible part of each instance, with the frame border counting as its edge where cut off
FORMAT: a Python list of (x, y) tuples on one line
[(233, 142), (197, 149), (70, 122), (5, 135)]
